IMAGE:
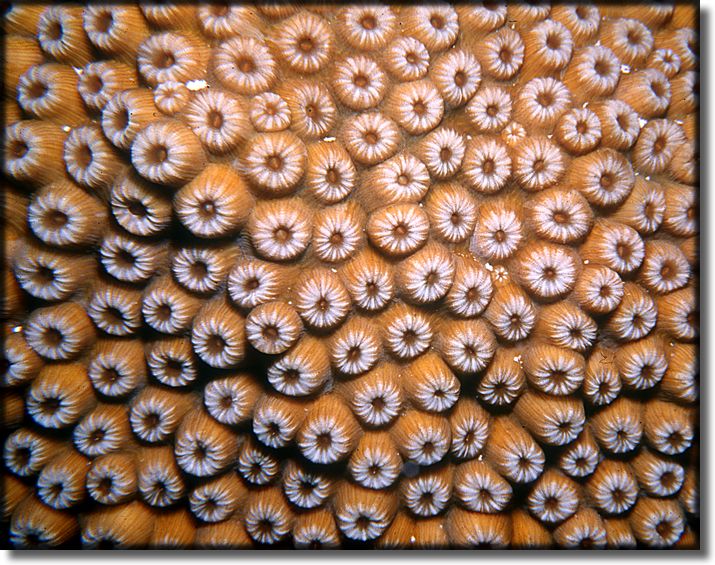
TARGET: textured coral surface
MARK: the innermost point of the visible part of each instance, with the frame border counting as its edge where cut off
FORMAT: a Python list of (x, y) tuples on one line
[(411, 276)]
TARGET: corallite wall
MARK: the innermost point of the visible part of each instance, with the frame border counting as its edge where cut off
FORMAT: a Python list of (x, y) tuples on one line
[(350, 276)]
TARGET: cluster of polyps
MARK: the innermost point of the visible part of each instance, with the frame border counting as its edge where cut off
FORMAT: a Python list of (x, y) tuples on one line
[(396, 276)]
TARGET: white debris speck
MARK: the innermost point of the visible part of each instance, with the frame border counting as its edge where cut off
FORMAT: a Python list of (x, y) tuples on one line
[(488, 266), (642, 122), (329, 138), (334, 270), (586, 261), (518, 359), (625, 69), (196, 85), (66, 128), (17, 329)]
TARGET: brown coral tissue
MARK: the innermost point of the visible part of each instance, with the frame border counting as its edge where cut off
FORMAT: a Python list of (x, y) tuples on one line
[(410, 276)]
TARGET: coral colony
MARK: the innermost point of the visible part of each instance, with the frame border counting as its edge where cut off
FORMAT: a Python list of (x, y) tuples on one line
[(322, 276)]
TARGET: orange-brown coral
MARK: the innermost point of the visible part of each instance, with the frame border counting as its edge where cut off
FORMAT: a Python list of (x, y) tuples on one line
[(393, 276)]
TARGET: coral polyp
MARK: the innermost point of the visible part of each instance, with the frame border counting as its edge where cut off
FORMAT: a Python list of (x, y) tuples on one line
[(323, 275)]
